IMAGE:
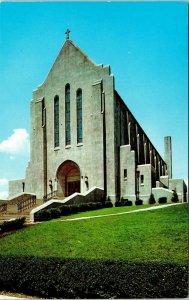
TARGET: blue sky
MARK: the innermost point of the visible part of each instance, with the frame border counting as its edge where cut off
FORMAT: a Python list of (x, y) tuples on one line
[(145, 43)]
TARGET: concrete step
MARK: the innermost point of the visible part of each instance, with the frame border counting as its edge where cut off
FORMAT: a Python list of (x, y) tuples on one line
[(12, 212)]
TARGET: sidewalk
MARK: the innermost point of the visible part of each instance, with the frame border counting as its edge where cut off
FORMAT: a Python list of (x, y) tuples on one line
[(9, 297), (122, 213)]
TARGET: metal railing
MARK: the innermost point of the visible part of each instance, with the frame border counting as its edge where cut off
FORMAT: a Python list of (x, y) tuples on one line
[(49, 196), (26, 203), (3, 209)]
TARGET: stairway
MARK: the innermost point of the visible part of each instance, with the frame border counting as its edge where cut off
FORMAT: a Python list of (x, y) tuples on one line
[(12, 211)]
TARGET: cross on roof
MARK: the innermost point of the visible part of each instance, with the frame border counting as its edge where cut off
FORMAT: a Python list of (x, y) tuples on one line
[(67, 34)]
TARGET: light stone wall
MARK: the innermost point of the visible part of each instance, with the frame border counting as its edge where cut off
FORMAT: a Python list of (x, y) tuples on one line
[(127, 161), (180, 187), (15, 187), (145, 188), (75, 68), (165, 180), (168, 154), (162, 192)]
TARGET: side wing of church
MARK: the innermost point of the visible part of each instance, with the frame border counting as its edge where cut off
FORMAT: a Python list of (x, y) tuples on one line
[(83, 136)]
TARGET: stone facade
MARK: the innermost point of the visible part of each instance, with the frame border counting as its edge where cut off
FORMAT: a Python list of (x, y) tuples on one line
[(112, 152)]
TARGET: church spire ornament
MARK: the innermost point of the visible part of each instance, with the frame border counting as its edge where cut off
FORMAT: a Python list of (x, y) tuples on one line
[(67, 34)]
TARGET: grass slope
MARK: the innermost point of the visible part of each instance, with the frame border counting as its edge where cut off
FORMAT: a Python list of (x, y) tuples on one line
[(153, 236)]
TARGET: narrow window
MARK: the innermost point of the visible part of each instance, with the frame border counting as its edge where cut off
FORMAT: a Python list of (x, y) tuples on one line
[(67, 115), (79, 116), (56, 121), (43, 113), (142, 179), (125, 174)]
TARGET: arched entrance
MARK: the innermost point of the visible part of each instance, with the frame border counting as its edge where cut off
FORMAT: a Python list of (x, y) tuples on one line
[(68, 175)]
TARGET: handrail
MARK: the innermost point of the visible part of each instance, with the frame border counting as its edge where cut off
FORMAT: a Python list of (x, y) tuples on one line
[(3, 208), (26, 203), (49, 196)]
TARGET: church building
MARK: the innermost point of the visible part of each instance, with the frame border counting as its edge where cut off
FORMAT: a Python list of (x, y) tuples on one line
[(83, 135)]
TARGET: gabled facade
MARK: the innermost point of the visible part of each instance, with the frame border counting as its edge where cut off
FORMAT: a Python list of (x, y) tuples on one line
[(83, 135)]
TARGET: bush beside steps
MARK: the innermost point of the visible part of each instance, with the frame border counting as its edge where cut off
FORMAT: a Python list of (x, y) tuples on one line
[(65, 210), (11, 225)]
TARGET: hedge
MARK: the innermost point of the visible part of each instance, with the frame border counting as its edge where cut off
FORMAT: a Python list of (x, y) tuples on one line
[(139, 202), (152, 199), (92, 279), (118, 204), (12, 225), (108, 204), (175, 198), (65, 210), (162, 200), (123, 202)]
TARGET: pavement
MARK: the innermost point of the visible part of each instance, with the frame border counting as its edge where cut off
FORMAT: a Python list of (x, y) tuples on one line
[(10, 297)]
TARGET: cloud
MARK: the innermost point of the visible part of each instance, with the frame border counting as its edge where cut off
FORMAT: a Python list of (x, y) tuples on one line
[(17, 143), (3, 182), (3, 188), (3, 195)]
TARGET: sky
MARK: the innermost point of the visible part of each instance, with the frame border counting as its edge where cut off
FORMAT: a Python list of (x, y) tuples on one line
[(145, 43)]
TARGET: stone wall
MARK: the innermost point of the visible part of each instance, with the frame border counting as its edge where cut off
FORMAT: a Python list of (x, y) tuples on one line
[(145, 182), (73, 67), (15, 187), (162, 192), (180, 187), (127, 173)]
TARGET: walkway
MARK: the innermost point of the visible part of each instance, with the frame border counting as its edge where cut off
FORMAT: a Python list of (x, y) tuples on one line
[(122, 213)]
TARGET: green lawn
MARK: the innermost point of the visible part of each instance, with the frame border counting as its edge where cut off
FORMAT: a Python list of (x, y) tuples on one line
[(107, 211), (151, 236)]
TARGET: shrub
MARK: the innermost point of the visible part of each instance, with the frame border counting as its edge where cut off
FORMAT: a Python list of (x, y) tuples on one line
[(118, 203), (65, 210), (152, 199), (82, 207), (123, 201), (92, 206), (108, 204), (12, 225), (55, 212), (174, 197), (61, 278), (139, 202), (128, 203), (162, 200), (74, 209), (99, 205), (42, 215)]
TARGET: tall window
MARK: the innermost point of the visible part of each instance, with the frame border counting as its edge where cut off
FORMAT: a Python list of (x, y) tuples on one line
[(142, 179), (56, 121), (79, 116), (125, 174), (67, 115)]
